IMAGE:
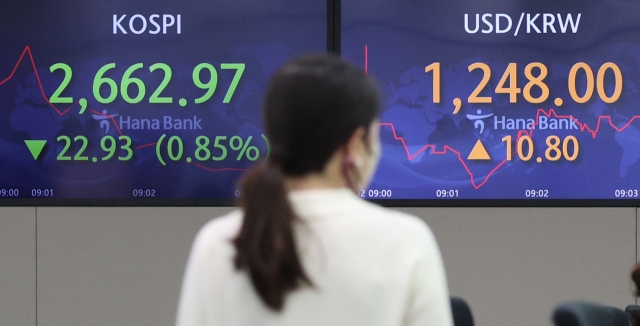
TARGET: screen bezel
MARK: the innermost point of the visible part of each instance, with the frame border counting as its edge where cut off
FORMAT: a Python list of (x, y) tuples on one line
[(193, 202), (333, 46)]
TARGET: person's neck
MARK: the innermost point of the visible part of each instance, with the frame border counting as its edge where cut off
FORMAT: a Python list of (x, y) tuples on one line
[(315, 181), (329, 178)]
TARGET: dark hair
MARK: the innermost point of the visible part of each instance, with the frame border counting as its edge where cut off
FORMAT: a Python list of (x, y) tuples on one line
[(635, 276), (313, 106)]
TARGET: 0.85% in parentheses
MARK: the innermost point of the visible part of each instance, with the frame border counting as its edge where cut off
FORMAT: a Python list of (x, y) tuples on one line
[(216, 150)]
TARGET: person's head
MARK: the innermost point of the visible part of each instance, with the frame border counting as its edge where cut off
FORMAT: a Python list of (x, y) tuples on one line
[(320, 115), (319, 112)]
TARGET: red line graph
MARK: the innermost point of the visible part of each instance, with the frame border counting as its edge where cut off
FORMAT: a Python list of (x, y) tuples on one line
[(583, 127), (366, 59), (27, 50), (35, 69), (218, 170), (146, 145), (447, 148)]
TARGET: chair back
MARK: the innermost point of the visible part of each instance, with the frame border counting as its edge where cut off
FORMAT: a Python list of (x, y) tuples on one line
[(633, 311), (462, 315), (579, 313)]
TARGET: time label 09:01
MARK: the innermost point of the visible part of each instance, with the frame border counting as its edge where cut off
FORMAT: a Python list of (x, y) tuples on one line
[(34, 192)]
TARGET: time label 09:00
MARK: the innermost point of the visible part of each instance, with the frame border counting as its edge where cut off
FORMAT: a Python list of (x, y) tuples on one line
[(375, 193), (34, 192)]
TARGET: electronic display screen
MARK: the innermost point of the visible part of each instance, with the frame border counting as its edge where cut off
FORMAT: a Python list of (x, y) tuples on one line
[(115, 99), (502, 100)]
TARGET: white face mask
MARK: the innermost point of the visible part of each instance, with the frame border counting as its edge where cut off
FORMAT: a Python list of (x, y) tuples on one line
[(367, 163)]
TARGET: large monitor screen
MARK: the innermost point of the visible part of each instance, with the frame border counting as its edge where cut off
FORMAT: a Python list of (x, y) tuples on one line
[(502, 100), (118, 99)]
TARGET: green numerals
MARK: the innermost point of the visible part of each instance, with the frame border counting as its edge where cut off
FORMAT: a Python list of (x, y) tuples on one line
[(106, 89), (110, 148), (223, 148), (155, 97), (126, 147), (202, 142), (240, 145), (107, 143), (98, 81), (239, 67), (55, 97), (173, 155), (210, 86), (67, 144), (128, 80), (85, 142)]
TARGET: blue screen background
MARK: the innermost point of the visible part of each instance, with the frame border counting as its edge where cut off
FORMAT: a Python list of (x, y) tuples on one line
[(403, 37), (260, 34)]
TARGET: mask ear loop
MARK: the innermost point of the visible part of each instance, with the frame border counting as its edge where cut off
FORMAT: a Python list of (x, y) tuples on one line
[(348, 169), (345, 167)]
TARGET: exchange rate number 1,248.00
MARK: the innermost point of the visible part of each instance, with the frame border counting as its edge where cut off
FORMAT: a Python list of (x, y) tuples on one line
[(536, 80)]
